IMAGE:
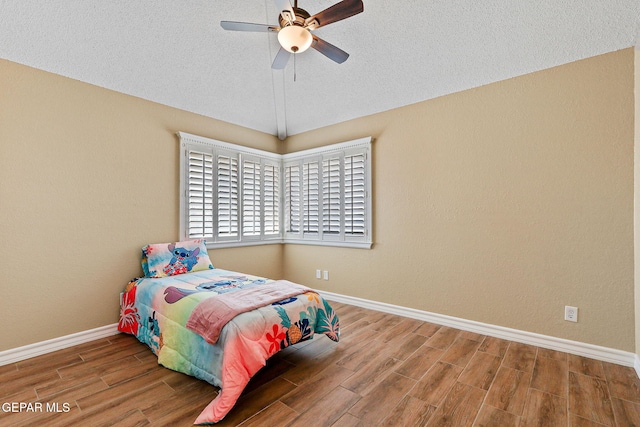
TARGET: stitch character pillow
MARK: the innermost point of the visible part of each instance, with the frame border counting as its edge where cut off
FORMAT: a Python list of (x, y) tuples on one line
[(169, 259)]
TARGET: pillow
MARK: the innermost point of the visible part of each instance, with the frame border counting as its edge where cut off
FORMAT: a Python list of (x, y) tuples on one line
[(169, 259)]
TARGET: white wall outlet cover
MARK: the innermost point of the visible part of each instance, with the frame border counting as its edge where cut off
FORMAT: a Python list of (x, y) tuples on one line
[(570, 313)]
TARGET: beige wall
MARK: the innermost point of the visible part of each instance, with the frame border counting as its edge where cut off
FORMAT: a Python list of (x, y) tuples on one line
[(637, 193), (87, 177), (500, 204)]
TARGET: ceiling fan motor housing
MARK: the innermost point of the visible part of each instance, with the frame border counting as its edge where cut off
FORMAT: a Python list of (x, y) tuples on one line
[(300, 18), (293, 36)]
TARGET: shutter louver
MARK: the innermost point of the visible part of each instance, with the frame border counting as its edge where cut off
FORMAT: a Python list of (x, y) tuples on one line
[(200, 195), (331, 196), (311, 197), (251, 198), (354, 195)]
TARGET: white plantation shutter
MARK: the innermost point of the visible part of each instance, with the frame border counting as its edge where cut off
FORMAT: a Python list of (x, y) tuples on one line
[(292, 208), (354, 195), (233, 195), (331, 195), (200, 195), (251, 198), (310, 197), (227, 196), (271, 191)]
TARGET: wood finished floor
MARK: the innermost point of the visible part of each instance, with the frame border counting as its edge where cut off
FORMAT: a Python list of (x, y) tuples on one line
[(386, 371)]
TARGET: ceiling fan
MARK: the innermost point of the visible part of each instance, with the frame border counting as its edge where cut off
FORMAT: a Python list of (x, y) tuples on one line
[(295, 26)]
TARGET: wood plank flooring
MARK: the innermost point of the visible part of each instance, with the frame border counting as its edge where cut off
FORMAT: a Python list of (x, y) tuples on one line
[(386, 371)]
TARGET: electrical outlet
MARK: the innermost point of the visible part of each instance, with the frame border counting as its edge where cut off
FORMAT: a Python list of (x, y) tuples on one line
[(318, 274), (570, 313), (325, 275)]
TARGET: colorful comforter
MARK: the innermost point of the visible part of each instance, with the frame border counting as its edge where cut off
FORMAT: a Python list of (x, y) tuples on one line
[(157, 311)]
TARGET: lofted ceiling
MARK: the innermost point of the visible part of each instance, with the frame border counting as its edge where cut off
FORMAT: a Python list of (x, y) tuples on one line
[(401, 52)]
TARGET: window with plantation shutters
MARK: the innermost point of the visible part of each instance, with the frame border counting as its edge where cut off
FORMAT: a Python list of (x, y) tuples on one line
[(233, 195), (230, 195), (328, 195)]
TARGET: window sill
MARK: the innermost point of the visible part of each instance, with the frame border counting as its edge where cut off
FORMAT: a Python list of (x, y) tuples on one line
[(341, 244)]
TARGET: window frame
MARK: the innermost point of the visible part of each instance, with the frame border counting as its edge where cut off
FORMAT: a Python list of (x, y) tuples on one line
[(276, 164)]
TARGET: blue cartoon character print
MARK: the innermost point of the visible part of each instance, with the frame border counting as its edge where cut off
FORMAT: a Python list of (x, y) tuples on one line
[(150, 333), (182, 260)]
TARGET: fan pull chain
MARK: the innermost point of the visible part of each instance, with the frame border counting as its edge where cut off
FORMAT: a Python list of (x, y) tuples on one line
[(294, 67)]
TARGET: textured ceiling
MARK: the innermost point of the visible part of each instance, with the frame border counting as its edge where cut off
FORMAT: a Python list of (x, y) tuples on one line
[(402, 52)]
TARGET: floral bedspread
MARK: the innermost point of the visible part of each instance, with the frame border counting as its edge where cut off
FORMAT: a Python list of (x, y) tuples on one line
[(156, 311)]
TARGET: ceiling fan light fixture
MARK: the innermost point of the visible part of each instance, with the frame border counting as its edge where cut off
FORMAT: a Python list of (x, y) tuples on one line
[(294, 38)]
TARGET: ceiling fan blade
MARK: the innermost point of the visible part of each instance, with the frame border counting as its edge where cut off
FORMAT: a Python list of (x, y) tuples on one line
[(330, 51), (247, 26), (337, 12), (286, 10), (281, 59)]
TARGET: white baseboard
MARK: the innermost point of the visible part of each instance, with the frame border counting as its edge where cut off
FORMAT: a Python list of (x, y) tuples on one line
[(606, 354), (21, 353)]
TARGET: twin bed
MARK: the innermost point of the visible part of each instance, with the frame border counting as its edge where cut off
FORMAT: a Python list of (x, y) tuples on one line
[(217, 325)]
